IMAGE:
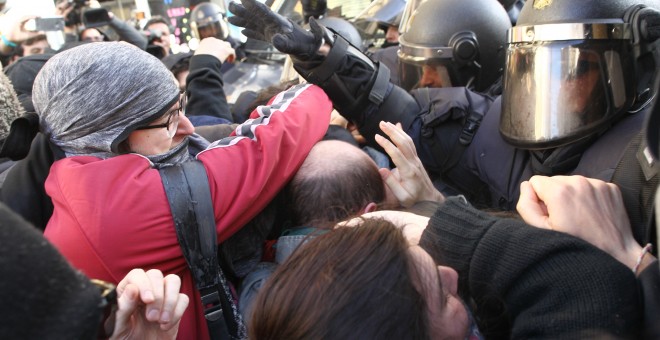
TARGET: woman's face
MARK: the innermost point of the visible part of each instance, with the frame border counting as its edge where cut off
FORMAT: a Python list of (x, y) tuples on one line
[(157, 141), (448, 318)]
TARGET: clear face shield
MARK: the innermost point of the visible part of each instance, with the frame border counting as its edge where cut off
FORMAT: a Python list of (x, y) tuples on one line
[(558, 91), (378, 14), (216, 29)]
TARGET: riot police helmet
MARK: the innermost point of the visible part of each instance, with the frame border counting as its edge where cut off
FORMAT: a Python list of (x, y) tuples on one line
[(209, 20), (344, 28), (451, 43), (573, 68)]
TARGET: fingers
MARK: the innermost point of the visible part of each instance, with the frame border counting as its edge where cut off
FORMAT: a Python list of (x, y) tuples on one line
[(127, 303), (181, 305), (237, 9), (531, 208), (237, 20), (253, 34), (158, 296), (139, 278), (154, 307), (254, 6), (170, 298), (399, 137), (399, 191)]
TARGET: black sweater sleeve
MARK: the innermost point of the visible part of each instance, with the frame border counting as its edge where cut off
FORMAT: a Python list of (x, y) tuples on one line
[(532, 283), (649, 281), (204, 86)]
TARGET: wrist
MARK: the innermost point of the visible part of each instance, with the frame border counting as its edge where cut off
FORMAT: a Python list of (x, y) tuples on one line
[(643, 259)]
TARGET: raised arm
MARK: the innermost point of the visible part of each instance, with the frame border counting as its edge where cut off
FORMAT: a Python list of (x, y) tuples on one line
[(358, 87), (204, 85)]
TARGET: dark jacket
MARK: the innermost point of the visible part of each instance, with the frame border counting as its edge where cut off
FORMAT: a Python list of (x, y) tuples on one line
[(527, 282), (484, 168), (206, 95)]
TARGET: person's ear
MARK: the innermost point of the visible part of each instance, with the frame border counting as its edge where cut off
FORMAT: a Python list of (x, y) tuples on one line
[(370, 207)]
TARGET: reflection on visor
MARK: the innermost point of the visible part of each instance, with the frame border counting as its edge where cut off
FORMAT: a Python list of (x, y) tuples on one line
[(413, 76), (556, 92)]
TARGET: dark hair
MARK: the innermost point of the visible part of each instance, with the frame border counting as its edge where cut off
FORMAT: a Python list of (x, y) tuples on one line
[(181, 66), (350, 283), (32, 40), (328, 189), (155, 20)]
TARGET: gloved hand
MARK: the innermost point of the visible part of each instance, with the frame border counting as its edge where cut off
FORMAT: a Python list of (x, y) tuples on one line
[(263, 24)]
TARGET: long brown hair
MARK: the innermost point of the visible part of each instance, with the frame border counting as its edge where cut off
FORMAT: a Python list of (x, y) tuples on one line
[(350, 283)]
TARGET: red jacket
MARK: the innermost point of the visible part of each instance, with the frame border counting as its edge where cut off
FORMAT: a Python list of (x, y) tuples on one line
[(112, 215)]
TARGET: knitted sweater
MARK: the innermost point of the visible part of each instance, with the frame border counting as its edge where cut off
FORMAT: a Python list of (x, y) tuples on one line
[(526, 282)]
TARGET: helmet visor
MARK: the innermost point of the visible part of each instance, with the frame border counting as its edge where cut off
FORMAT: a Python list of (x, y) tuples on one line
[(418, 75), (216, 29), (557, 92)]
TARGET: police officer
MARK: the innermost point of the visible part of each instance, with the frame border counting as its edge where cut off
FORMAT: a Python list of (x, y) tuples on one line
[(210, 20), (452, 43), (579, 76)]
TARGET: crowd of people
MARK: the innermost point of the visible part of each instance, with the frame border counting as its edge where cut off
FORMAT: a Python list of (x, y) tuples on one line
[(488, 171)]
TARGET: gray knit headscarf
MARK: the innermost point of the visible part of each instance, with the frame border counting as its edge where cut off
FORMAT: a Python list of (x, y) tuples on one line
[(10, 107), (91, 97)]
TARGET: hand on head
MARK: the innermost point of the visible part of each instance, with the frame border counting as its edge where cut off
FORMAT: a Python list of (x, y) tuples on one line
[(587, 208), (149, 305), (408, 182), (412, 225)]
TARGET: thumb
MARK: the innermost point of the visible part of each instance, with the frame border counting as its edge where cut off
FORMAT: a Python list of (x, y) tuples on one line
[(531, 208), (127, 304), (316, 29)]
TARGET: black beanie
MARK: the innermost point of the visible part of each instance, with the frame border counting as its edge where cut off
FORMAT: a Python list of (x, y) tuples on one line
[(22, 72), (42, 296)]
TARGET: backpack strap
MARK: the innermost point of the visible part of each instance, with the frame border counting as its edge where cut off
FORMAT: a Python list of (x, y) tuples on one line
[(189, 196)]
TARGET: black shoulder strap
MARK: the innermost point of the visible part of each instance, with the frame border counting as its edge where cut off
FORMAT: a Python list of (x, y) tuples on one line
[(189, 196), (637, 178)]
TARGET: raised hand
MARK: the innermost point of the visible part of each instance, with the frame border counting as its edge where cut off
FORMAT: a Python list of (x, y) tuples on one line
[(217, 48), (408, 182), (263, 24), (150, 306)]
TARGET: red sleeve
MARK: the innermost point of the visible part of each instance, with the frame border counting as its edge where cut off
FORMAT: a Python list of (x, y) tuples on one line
[(247, 170)]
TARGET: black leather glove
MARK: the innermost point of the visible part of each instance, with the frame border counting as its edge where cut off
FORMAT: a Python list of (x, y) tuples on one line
[(263, 24)]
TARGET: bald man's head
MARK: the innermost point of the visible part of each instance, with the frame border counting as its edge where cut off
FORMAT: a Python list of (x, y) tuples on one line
[(336, 180)]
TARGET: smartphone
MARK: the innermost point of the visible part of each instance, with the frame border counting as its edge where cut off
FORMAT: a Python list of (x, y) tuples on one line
[(96, 17), (45, 24)]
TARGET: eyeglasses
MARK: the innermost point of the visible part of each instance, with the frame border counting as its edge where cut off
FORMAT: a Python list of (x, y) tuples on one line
[(172, 122), (108, 307)]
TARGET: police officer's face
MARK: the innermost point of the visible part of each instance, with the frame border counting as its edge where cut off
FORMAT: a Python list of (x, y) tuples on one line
[(434, 76), (582, 82), (392, 34)]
